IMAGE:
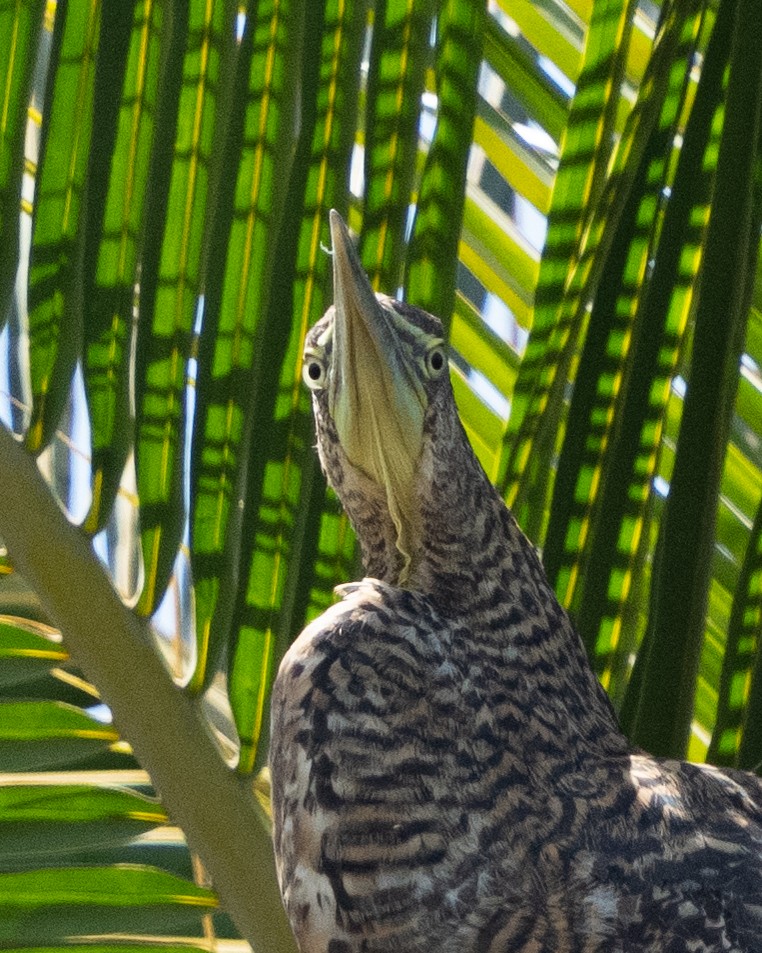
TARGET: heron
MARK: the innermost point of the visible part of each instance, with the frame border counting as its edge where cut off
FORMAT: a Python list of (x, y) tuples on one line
[(447, 772)]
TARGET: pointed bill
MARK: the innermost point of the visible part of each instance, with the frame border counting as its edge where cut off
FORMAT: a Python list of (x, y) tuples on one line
[(376, 397)]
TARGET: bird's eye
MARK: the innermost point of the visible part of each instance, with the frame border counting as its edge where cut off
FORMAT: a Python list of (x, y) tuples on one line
[(313, 372), (436, 361)]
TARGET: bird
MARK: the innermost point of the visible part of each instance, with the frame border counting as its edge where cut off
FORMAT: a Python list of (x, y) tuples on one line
[(447, 772)]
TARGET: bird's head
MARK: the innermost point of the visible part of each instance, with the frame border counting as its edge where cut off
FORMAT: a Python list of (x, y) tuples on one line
[(376, 368)]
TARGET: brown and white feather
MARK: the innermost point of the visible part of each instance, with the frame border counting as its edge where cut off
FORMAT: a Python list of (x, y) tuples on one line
[(447, 772)]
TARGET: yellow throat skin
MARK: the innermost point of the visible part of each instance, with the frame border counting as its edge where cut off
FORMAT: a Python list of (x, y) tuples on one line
[(376, 398)]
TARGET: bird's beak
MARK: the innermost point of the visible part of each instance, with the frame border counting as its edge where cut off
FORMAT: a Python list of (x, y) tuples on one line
[(376, 397)]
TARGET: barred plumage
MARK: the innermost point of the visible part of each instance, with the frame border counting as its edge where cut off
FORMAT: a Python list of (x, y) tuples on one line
[(447, 772)]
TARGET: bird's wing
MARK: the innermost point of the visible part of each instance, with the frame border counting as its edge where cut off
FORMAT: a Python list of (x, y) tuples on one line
[(708, 900), (687, 869)]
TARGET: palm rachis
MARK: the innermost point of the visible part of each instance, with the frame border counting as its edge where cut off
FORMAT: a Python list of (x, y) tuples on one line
[(447, 771)]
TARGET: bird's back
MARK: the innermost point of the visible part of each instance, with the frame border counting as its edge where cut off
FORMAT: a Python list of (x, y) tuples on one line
[(415, 809)]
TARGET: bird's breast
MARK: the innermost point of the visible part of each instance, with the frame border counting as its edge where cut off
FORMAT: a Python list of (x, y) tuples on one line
[(379, 798)]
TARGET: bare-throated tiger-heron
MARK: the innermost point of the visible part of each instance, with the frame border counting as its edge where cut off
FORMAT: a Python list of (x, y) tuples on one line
[(447, 773)]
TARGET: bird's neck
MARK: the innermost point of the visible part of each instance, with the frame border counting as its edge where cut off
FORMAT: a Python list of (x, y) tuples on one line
[(471, 552), (483, 575)]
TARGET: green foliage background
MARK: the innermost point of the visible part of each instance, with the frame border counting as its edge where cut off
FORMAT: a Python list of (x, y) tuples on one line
[(166, 170)]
